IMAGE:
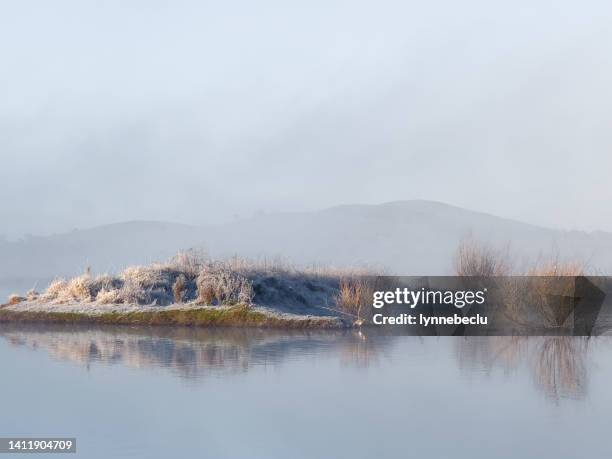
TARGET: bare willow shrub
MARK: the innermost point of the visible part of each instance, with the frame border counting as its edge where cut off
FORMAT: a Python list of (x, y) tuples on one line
[(474, 259), (556, 267), (478, 260), (552, 289), (354, 296), (544, 295)]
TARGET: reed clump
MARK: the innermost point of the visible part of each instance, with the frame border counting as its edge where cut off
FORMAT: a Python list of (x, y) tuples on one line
[(354, 297)]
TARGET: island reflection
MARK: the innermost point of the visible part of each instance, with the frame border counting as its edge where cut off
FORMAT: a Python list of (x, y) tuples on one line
[(557, 365), (190, 352)]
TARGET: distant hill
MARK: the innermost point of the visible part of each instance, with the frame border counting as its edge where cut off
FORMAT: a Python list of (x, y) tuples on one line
[(406, 237)]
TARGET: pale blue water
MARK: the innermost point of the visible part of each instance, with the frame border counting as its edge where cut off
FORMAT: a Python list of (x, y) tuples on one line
[(185, 393)]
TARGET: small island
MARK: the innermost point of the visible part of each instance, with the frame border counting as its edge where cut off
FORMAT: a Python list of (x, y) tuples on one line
[(192, 290)]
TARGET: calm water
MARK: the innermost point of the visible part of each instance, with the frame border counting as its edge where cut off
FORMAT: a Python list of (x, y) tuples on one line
[(161, 393)]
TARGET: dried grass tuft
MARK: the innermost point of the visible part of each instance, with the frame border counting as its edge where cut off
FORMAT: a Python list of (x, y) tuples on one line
[(178, 289), (218, 284), (15, 299), (105, 296), (354, 296)]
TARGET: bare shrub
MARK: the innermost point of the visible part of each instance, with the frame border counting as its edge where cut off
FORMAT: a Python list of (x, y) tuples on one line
[(544, 294), (479, 260), (555, 267), (32, 294), (552, 289)]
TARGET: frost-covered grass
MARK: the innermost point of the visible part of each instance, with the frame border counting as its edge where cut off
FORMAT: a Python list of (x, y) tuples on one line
[(191, 281), (185, 278)]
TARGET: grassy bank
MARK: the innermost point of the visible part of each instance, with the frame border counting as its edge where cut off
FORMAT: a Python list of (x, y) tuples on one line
[(239, 316)]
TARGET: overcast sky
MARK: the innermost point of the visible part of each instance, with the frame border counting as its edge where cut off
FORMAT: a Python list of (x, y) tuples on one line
[(198, 112)]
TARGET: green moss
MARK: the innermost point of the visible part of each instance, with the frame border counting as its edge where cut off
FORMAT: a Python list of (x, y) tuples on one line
[(238, 316)]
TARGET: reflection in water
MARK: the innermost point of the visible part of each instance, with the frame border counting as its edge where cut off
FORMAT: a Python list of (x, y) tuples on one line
[(361, 351), (560, 367), (558, 364), (189, 352)]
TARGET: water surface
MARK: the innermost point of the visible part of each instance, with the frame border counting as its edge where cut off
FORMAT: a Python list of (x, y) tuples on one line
[(162, 393)]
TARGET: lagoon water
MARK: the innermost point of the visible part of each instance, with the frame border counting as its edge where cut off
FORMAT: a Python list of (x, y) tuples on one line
[(127, 392)]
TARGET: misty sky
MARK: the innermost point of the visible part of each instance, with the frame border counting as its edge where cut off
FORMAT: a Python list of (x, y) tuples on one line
[(199, 112)]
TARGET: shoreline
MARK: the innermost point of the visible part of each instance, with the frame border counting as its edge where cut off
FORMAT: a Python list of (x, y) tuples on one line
[(239, 316)]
